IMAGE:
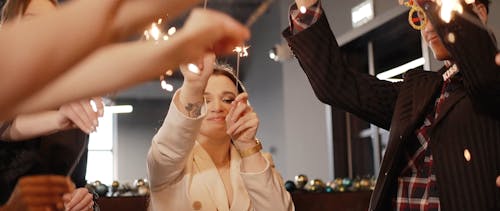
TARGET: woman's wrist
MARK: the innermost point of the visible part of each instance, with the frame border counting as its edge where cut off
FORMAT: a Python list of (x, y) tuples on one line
[(247, 148), (189, 103)]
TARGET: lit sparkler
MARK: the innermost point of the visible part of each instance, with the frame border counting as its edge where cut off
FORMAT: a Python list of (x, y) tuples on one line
[(241, 51)]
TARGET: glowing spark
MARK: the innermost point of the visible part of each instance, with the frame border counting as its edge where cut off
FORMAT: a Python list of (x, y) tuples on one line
[(447, 9), (194, 68), (169, 72), (451, 37), (303, 9), (171, 31), (241, 50), (159, 21), (165, 37), (273, 56), (155, 31), (166, 86)]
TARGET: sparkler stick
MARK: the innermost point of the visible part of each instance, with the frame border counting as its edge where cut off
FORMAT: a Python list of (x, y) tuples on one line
[(241, 51), (77, 160), (257, 13)]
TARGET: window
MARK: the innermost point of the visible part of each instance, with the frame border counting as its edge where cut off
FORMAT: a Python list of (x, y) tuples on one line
[(100, 163)]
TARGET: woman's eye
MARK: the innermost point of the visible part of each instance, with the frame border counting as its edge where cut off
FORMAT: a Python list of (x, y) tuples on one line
[(228, 101)]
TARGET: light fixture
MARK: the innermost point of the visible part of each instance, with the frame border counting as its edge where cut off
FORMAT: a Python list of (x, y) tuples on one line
[(119, 109), (401, 69)]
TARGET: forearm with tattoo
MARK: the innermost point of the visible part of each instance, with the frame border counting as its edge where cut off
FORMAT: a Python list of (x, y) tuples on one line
[(193, 109)]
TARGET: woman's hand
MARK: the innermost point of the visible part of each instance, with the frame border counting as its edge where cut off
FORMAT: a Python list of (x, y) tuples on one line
[(191, 93), (219, 35), (198, 79), (79, 200), (80, 114), (242, 122)]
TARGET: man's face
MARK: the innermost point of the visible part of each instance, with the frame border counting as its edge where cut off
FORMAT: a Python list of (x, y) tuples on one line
[(432, 39)]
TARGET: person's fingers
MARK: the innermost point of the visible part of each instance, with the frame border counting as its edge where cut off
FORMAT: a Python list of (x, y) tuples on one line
[(498, 181), (67, 197), (44, 189), (76, 197), (230, 32), (99, 104), (249, 119), (208, 65), (80, 118), (42, 200), (69, 112), (83, 204), (498, 59), (242, 97), (55, 180), (234, 34), (242, 119), (246, 130), (89, 115), (239, 110)]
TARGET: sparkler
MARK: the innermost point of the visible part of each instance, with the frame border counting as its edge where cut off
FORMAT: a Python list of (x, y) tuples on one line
[(241, 51), (192, 67)]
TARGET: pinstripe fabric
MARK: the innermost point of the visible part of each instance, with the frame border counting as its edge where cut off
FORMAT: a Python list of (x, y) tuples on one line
[(469, 119)]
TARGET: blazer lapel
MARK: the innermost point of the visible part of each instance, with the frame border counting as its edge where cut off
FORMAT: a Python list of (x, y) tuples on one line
[(210, 178), (241, 199), (448, 104), (426, 88)]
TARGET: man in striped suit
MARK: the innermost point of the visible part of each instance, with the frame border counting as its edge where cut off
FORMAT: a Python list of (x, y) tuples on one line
[(444, 144)]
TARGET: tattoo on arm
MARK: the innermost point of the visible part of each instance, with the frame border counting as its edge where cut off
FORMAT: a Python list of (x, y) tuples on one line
[(193, 109)]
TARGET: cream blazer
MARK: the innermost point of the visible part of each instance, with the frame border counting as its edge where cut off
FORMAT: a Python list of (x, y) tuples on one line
[(183, 177)]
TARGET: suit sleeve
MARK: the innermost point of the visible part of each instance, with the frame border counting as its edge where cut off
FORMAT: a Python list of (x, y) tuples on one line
[(171, 146), (266, 189), (337, 83)]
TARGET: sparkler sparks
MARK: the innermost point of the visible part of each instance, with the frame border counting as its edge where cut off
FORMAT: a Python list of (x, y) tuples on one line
[(241, 50)]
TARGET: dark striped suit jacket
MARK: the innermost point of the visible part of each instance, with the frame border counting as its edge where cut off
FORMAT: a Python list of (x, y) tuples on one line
[(469, 118)]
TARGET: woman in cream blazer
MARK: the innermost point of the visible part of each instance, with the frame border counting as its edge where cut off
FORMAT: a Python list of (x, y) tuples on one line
[(205, 156)]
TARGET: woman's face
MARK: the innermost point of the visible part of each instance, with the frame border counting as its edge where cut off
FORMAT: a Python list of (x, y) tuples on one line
[(219, 94), (38, 7)]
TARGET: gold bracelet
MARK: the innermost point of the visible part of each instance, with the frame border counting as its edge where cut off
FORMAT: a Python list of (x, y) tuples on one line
[(251, 150)]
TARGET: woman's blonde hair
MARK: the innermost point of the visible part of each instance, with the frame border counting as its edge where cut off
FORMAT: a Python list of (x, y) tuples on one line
[(14, 8)]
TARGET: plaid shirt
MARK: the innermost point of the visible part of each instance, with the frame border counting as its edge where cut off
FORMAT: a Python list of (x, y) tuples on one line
[(300, 21), (417, 186)]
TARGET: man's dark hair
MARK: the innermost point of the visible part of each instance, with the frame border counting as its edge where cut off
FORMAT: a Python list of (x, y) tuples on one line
[(486, 3)]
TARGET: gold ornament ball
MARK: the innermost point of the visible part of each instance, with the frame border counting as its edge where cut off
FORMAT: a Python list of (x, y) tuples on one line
[(341, 189), (315, 185), (338, 181), (139, 183), (317, 182), (300, 181), (365, 184), (115, 184), (332, 185)]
